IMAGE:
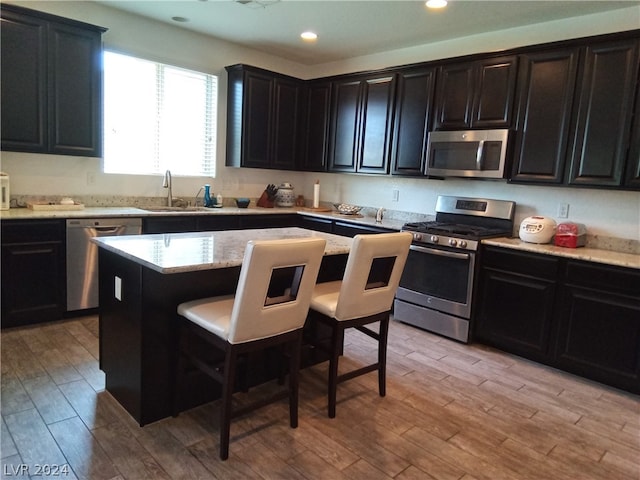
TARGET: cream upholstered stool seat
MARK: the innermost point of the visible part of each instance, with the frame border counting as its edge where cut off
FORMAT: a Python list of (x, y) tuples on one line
[(363, 296), (269, 308)]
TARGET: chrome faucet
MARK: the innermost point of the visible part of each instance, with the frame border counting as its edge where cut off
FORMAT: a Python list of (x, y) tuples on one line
[(166, 183), (379, 215)]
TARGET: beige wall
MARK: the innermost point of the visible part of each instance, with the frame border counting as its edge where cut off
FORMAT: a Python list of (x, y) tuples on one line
[(604, 212)]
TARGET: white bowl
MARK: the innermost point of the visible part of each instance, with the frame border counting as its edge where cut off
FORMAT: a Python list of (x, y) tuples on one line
[(346, 209)]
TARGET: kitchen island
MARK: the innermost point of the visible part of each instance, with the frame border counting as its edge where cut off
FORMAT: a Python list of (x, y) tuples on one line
[(143, 278)]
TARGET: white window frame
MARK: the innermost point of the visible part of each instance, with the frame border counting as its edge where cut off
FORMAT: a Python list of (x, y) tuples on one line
[(150, 129)]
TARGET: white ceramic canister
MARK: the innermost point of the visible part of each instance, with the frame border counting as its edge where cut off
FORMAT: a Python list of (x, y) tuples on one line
[(4, 191), (285, 196)]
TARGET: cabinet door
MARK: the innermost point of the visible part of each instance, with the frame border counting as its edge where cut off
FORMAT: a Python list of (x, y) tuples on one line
[(286, 96), (545, 98), (75, 91), (24, 82), (176, 224), (495, 93), (274, 220), (344, 126), (632, 179), (454, 96), (412, 120), (256, 115), (516, 302), (376, 125), (605, 108), (318, 102), (352, 229), (314, 223), (599, 324), (33, 272)]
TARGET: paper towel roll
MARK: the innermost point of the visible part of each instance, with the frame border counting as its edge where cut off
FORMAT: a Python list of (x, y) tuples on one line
[(316, 194)]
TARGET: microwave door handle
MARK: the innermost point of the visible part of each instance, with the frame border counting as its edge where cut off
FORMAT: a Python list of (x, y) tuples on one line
[(480, 155)]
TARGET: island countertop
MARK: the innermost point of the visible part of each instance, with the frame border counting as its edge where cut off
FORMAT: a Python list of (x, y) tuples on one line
[(191, 251)]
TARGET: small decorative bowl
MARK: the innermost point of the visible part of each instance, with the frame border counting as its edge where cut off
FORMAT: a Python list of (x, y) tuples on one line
[(346, 209), (242, 202)]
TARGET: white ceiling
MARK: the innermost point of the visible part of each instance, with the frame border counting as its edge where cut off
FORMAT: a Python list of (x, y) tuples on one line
[(353, 28)]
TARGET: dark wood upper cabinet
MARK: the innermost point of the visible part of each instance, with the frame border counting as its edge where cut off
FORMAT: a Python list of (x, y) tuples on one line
[(361, 124), (604, 110), (632, 178), (317, 103), (262, 118), (414, 100), (344, 130), (545, 100), (51, 84), (575, 115), (478, 94)]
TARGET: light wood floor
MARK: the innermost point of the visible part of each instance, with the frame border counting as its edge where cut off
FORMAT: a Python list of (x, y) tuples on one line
[(452, 411)]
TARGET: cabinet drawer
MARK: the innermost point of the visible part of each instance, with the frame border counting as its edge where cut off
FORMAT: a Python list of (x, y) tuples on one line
[(32, 231), (530, 264), (623, 281)]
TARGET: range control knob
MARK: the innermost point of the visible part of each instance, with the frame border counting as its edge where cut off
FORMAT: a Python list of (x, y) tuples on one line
[(417, 237), (434, 239), (462, 244), (453, 242)]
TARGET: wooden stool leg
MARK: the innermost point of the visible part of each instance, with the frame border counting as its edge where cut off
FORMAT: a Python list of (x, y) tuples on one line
[(294, 381), (382, 356), (336, 348), (227, 393)]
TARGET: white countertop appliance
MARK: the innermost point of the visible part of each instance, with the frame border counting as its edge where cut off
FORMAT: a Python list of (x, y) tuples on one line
[(537, 229)]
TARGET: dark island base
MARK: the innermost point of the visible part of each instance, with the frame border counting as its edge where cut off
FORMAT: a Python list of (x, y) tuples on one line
[(138, 341)]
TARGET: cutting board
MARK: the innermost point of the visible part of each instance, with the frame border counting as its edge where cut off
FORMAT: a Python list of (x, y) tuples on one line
[(55, 206)]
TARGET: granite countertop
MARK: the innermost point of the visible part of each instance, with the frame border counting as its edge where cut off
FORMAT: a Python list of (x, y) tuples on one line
[(99, 212), (186, 252), (610, 254), (597, 255)]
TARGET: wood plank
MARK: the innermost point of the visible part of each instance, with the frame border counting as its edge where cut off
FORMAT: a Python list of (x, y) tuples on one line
[(75, 440)]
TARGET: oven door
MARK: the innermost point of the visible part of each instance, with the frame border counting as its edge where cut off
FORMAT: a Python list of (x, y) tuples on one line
[(438, 279)]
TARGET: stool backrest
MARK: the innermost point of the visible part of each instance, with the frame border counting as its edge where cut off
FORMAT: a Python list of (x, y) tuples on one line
[(275, 286), (372, 274)]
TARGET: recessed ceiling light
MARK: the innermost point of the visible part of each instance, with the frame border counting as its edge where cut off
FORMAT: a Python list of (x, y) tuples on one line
[(309, 36), (436, 3), (180, 19)]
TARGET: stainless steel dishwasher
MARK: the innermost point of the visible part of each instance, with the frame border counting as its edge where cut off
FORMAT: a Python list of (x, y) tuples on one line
[(82, 256)]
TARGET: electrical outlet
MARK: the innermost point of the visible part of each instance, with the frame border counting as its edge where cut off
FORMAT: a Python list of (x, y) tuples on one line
[(395, 195), (563, 210), (91, 178)]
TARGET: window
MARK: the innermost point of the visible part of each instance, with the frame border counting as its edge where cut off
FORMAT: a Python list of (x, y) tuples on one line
[(158, 117)]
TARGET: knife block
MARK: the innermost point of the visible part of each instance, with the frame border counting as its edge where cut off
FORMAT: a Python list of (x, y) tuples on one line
[(264, 201)]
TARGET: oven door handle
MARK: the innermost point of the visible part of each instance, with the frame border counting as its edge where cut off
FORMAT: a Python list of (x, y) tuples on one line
[(442, 253)]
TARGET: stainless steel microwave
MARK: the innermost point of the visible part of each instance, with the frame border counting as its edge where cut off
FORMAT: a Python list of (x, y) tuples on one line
[(471, 153)]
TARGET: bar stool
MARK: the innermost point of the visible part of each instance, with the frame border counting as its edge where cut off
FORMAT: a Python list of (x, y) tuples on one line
[(268, 309), (363, 296)]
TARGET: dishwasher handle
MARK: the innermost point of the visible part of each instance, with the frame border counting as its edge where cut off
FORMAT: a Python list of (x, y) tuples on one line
[(109, 229)]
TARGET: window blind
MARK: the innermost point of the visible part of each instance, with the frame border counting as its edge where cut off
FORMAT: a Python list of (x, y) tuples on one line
[(158, 117)]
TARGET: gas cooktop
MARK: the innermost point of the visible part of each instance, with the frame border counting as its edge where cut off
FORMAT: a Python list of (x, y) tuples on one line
[(461, 222)]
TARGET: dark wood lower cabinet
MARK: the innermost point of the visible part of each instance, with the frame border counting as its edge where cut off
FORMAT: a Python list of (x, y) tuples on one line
[(578, 316), (33, 272), (599, 324)]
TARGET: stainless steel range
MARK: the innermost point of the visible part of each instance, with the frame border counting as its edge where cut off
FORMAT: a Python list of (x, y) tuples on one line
[(436, 288)]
